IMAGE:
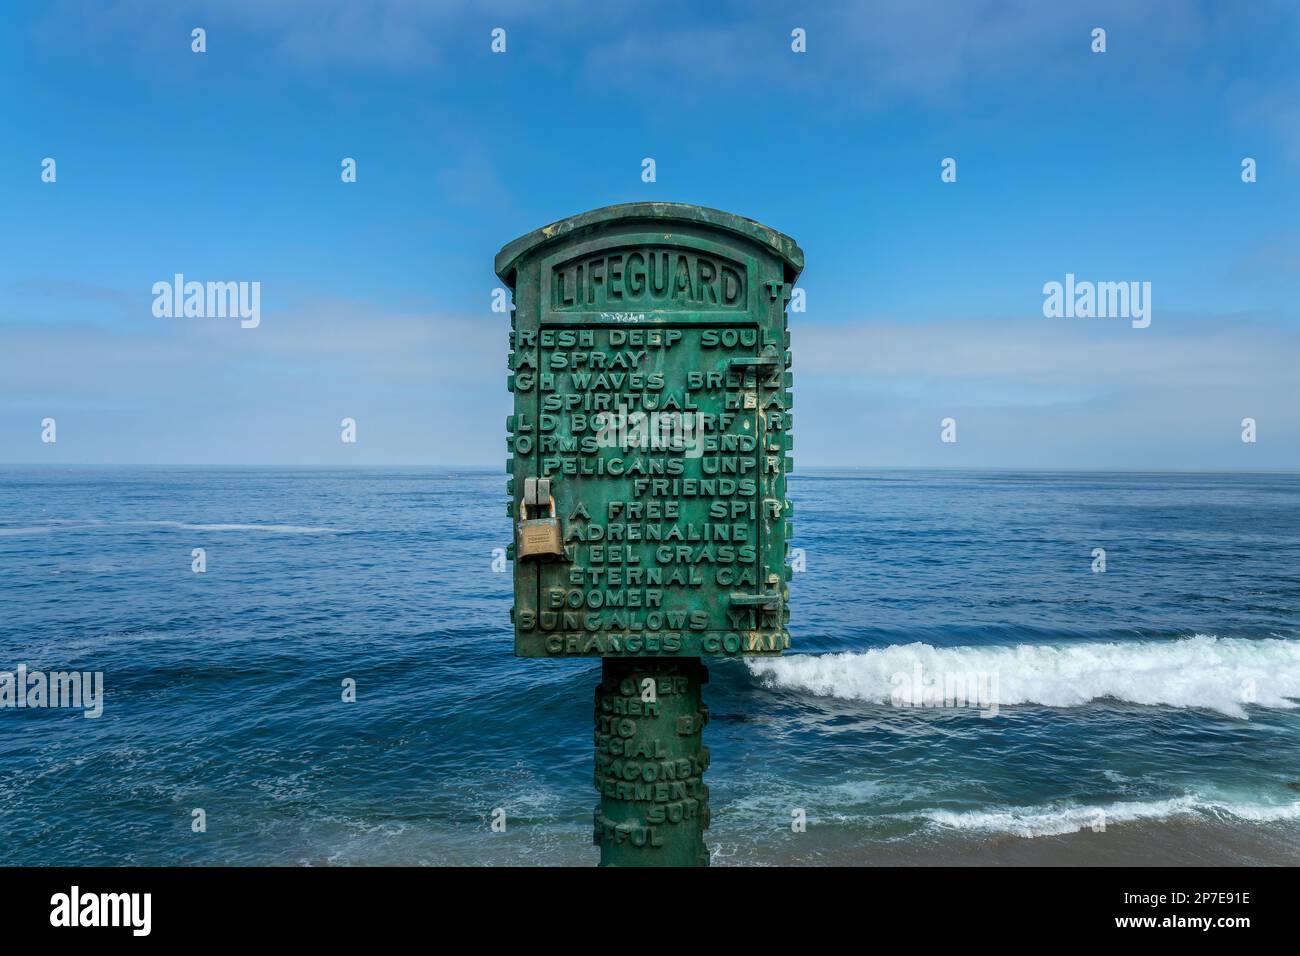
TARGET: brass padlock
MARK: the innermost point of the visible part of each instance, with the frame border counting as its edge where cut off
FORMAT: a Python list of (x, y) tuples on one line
[(539, 537)]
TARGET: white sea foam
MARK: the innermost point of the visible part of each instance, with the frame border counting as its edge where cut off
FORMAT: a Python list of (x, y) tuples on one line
[(1206, 672), (277, 528), (182, 525), (1055, 821)]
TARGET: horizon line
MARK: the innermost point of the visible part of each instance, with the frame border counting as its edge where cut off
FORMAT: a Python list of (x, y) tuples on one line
[(794, 473)]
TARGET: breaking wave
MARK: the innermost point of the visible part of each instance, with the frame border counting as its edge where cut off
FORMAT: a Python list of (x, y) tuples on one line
[(1205, 672), (1056, 821)]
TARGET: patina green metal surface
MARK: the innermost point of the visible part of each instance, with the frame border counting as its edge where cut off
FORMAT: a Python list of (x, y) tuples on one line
[(649, 363), (649, 366), (650, 763)]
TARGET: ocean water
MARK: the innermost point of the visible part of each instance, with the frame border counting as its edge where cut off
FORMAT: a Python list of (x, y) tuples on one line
[(1144, 714)]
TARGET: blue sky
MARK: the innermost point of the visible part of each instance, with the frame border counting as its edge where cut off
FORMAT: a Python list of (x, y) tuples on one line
[(924, 298)]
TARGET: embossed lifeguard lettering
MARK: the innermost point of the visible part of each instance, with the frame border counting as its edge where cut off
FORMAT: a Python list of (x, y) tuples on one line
[(650, 277)]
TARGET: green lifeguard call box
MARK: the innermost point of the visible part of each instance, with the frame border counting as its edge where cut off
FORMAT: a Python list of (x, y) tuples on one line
[(650, 445)]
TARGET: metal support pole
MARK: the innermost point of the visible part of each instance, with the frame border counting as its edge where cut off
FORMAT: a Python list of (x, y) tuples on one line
[(650, 763)]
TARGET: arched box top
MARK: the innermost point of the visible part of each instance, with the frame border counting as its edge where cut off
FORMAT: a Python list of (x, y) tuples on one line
[(659, 213)]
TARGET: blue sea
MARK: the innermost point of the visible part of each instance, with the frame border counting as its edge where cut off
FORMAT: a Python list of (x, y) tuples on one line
[(1144, 713)]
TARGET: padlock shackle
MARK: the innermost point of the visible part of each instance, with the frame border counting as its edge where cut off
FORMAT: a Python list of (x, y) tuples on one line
[(524, 506)]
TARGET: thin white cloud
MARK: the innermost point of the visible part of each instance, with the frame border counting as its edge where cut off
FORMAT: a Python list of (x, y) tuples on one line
[(1036, 352), (430, 388)]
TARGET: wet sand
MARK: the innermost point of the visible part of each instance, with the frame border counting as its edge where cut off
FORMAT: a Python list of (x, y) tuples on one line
[(1174, 843)]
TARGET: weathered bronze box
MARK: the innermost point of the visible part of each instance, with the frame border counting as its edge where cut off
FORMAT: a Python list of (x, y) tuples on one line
[(649, 366)]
